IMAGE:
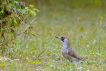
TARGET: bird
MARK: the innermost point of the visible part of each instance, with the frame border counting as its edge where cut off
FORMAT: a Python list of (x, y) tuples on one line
[(67, 51)]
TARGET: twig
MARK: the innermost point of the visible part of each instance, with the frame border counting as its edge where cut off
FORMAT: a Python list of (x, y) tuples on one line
[(27, 27), (32, 20), (7, 1), (45, 49)]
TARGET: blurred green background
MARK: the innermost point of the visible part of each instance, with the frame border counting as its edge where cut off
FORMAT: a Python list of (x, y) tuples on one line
[(75, 9), (83, 21)]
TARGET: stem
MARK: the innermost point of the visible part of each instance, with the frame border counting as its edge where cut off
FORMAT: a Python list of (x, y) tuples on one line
[(99, 35), (7, 1), (45, 49), (27, 27), (32, 21), (100, 29)]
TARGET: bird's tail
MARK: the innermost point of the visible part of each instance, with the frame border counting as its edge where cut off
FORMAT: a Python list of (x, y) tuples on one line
[(83, 59)]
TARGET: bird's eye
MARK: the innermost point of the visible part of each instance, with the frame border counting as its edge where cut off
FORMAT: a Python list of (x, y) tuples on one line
[(62, 38)]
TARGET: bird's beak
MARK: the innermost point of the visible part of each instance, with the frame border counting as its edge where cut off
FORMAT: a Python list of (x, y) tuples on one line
[(58, 37)]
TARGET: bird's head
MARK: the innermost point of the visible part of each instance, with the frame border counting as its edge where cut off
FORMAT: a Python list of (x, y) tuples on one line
[(63, 39)]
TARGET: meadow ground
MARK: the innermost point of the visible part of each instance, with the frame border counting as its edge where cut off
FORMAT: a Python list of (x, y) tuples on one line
[(41, 51)]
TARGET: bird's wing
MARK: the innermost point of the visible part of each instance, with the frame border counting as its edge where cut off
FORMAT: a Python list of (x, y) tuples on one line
[(72, 53)]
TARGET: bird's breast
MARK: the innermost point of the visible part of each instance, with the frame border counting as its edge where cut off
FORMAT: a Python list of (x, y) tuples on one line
[(65, 52)]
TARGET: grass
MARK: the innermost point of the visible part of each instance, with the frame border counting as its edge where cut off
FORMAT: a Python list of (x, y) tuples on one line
[(42, 51)]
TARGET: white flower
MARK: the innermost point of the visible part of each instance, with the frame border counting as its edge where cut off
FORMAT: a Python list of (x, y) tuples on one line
[(79, 68), (94, 41), (88, 45)]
